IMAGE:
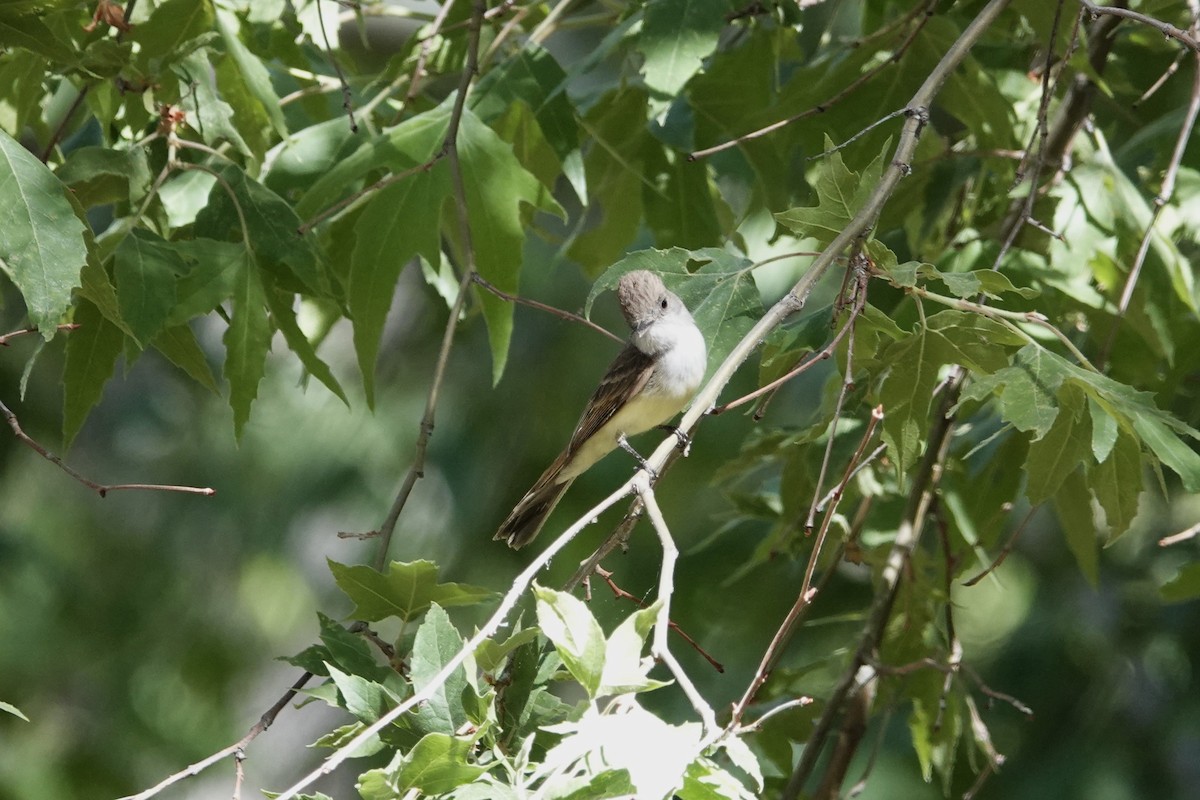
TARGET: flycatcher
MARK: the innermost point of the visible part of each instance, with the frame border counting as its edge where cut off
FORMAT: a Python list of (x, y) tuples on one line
[(650, 381)]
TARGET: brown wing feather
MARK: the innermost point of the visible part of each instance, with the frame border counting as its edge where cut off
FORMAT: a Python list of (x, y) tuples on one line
[(626, 376)]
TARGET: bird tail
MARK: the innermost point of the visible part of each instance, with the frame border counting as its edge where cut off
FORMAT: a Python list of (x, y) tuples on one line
[(527, 519)]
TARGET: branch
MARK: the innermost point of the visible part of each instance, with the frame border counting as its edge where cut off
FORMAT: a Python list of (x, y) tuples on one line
[(558, 312), (1167, 29), (101, 489), (67, 326), (235, 750), (347, 97)]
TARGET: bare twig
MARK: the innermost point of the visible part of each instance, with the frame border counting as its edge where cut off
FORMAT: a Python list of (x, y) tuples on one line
[(347, 96), (101, 489), (66, 326), (417, 469), (1183, 37), (1182, 536), (236, 750), (617, 591), (925, 12), (1004, 551), (558, 312)]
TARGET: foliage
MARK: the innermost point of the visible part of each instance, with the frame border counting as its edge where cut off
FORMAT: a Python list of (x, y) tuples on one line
[(209, 180)]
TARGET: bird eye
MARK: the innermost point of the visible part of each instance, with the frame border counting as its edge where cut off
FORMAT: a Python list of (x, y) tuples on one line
[(664, 304)]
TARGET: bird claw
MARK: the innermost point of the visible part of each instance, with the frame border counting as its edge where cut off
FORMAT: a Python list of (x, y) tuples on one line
[(628, 448)]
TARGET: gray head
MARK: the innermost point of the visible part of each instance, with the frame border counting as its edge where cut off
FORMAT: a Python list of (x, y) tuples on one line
[(644, 298)]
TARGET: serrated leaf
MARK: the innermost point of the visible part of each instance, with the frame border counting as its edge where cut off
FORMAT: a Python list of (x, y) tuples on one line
[(171, 25), (1104, 430), (531, 76), (92, 352), (840, 194), (213, 270), (271, 225), (436, 765), (437, 642), (676, 37), (42, 247), (247, 341), (1118, 483), (364, 699), (612, 168), (1073, 506), (490, 653), (349, 651), (179, 346), (257, 79), (625, 669), (398, 224), (980, 344), (1025, 392), (1066, 445), (496, 187), (906, 395), (284, 317), (146, 268), (576, 635), (405, 591), (1170, 450)]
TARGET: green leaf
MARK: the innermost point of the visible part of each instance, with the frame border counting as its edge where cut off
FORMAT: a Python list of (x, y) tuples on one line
[(349, 651), (271, 226), (364, 699), (406, 590), (531, 76), (496, 187), (172, 24), (1073, 506), (92, 352), (9, 708), (30, 33), (491, 654), (146, 268), (437, 642), (980, 344), (399, 223), (907, 394), (576, 635), (1066, 445), (178, 344), (1184, 586), (212, 275), (681, 210), (284, 318), (625, 669), (97, 175), (247, 341), (257, 79), (436, 765), (840, 194), (1104, 430), (207, 111), (1118, 482), (1025, 392), (42, 248), (612, 166), (1169, 449), (676, 37)]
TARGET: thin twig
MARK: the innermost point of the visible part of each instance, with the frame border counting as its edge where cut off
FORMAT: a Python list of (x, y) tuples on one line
[(926, 13), (234, 749), (66, 326), (558, 312), (1182, 536), (1167, 29), (101, 489), (347, 96), (666, 587), (417, 469), (1004, 551), (618, 592)]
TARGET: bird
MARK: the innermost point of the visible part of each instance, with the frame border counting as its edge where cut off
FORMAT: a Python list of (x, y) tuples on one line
[(652, 379)]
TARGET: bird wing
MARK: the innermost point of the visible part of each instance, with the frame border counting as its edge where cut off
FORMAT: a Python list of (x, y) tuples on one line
[(626, 376)]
